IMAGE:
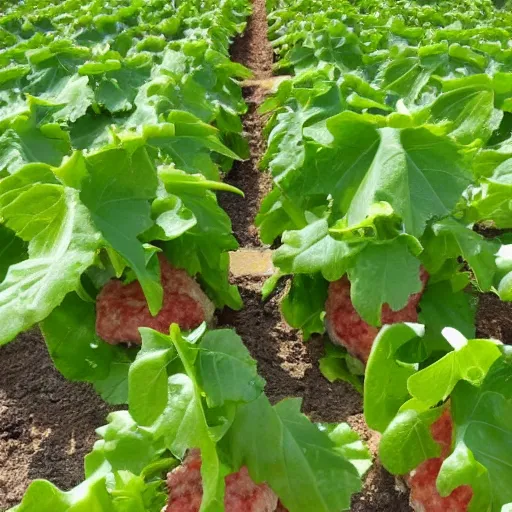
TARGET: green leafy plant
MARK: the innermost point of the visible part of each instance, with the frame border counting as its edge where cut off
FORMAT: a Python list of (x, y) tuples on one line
[(388, 148), (403, 397), (116, 127), (202, 390)]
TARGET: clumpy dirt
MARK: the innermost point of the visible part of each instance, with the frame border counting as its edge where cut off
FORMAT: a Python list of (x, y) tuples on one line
[(488, 230), (46, 423), (253, 50), (287, 363), (494, 318)]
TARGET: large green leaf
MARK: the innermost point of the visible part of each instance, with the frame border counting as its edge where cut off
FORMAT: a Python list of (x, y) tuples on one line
[(492, 201), (116, 89), (188, 143), (24, 142), (407, 441), (148, 377), (69, 101), (299, 462), (55, 80), (226, 371), (304, 304), (469, 362), (450, 239), (62, 245), (118, 191), (202, 249), (420, 174), (386, 273), (312, 249), (385, 385), (469, 109), (92, 495), (75, 348), (441, 306)]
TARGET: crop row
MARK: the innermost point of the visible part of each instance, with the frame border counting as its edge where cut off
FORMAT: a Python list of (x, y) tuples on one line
[(390, 151), (115, 131)]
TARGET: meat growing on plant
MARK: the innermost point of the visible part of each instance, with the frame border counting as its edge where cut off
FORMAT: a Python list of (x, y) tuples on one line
[(348, 329), (122, 309), (422, 481), (241, 494)]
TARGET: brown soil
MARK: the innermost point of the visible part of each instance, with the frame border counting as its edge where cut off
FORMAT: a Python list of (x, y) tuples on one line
[(254, 51), (47, 424), (494, 318)]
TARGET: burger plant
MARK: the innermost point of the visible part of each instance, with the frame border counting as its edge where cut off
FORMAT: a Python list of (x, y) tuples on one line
[(122, 218), (197, 411), (390, 154), (388, 221), (445, 417), (117, 123)]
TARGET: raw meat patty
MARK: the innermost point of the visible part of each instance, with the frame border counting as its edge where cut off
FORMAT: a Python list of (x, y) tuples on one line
[(348, 329), (241, 495), (422, 481), (122, 309)]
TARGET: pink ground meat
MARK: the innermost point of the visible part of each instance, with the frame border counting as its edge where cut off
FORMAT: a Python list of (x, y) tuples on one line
[(241, 494), (122, 309), (348, 329), (422, 481)]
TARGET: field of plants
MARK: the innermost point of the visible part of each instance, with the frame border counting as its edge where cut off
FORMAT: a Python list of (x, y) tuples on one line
[(256, 257)]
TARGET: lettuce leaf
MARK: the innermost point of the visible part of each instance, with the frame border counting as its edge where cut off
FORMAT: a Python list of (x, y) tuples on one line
[(62, 244), (483, 423)]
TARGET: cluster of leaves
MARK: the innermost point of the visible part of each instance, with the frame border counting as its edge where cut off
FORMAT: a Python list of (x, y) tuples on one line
[(405, 393), (202, 391), (117, 121), (390, 151), (388, 147)]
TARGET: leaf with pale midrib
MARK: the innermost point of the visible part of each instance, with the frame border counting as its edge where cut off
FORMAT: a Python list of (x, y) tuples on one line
[(118, 193), (62, 245)]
